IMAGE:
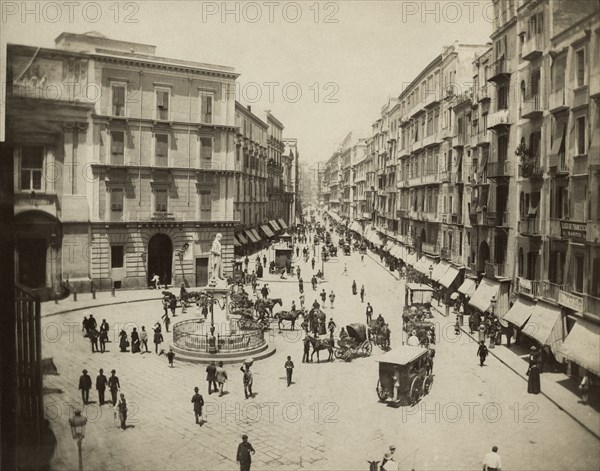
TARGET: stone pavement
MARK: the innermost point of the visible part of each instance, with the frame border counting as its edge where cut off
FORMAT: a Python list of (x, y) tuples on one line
[(329, 418)]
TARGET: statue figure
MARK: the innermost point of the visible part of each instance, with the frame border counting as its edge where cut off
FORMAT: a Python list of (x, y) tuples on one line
[(215, 251)]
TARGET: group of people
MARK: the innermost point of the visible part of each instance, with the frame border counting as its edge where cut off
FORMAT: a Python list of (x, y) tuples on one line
[(102, 384), (98, 337)]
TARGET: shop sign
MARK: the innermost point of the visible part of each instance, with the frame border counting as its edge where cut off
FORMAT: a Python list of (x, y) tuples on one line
[(573, 230), (571, 301)]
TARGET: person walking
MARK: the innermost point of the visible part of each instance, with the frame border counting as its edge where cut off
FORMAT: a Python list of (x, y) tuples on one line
[(166, 320), (492, 461), (362, 293), (331, 298), (289, 369), (198, 402), (305, 357), (135, 341), (85, 384), (312, 263), (345, 272), (354, 288), (93, 334), (301, 297), (243, 456), (101, 382), (113, 386), (144, 339), (123, 342), (158, 337), (173, 305), (171, 357), (211, 377), (155, 280), (314, 282), (298, 271), (369, 313), (323, 296), (264, 291), (246, 262), (331, 326), (481, 332), (221, 377), (264, 260), (122, 410), (533, 379), (248, 379), (482, 352), (301, 285)]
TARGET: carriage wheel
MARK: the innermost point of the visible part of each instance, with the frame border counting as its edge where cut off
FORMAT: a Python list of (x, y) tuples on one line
[(368, 348), (415, 391), (232, 307), (348, 355), (427, 384), (338, 353), (382, 393)]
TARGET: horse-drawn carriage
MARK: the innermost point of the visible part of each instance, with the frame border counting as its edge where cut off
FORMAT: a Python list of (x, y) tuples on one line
[(248, 322), (240, 300), (379, 332), (417, 313), (347, 249), (356, 343), (265, 306), (405, 375)]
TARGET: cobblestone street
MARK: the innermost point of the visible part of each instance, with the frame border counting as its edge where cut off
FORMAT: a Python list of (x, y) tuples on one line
[(329, 418)]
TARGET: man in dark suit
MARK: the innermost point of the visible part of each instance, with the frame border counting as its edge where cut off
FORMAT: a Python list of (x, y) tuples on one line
[(243, 454), (101, 382), (85, 384), (114, 386), (211, 378)]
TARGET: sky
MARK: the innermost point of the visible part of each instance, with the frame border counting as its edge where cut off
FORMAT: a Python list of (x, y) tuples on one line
[(323, 68)]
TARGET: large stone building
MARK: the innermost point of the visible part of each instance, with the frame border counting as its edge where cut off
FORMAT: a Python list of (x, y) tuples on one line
[(125, 163)]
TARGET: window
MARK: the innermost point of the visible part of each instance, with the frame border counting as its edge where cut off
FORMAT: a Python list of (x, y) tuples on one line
[(558, 72), (502, 147), (162, 104), (118, 99), (207, 111), (578, 272), (117, 146), (116, 204), (206, 205), (161, 199), (32, 163), (206, 149), (581, 135), (580, 64), (116, 256), (162, 150), (503, 96)]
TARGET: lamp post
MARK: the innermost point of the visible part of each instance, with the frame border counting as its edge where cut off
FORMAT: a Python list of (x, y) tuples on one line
[(493, 302), (212, 341), (77, 423)]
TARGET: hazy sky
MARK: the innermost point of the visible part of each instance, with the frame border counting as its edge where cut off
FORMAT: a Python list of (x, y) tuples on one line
[(323, 68)]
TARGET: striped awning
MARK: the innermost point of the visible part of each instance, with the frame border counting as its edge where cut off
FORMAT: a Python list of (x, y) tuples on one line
[(423, 265), (251, 236), (236, 243), (545, 325), (267, 230), (241, 238), (276, 227), (282, 223), (255, 233)]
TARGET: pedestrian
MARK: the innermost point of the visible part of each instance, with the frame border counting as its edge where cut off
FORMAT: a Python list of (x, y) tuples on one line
[(171, 357), (298, 271), (584, 388), (533, 379), (305, 357), (211, 377), (345, 272), (104, 328), (293, 308), (144, 338), (158, 338), (264, 260), (164, 280), (246, 262), (331, 326), (85, 384), (101, 382), (221, 376), (362, 293), (331, 298), (154, 281), (122, 409), (205, 310), (471, 324), (198, 402), (323, 296), (248, 379), (243, 454), (93, 334), (173, 305), (314, 282), (114, 386), (289, 369), (92, 324), (135, 341), (166, 320), (297, 251), (300, 285), (482, 352), (301, 297), (354, 287), (492, 461), (312, 263), (369, 313), (481, 331), (264, 291), (103, 337), (123, 342)]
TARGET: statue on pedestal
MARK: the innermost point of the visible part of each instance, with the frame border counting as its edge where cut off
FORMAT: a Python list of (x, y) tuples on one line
[(216, 264)]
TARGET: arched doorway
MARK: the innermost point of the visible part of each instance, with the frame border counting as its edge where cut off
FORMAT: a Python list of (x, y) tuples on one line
[(483, 256), (160, 257)]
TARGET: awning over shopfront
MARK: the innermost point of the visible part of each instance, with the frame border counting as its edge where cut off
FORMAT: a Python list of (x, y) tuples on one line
[(423, 265), (448, 278), (276, 227), (282, 223), (411, 259), (248, 233), (582, 345), (482, 298), (468, 287), (241, 238), (396, 251), (267, 230), (439, 270), (519, 313), (354, 226), (255, 234), (388, 246), (545, 325), (236, 243)]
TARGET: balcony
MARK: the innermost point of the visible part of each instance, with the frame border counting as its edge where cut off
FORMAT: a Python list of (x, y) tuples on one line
[(483, 93), (580, 97), (531, 168), (499, 169), (431, 249), (499, 71), (447, 133), (445, 176), (35, 201), (445, 253), (580, 165), (530, 227), (557, 101), (533, 48), (402, 213), (558, 163), (591, 305), (499, 120), (529, 287), (531, 108), (550, 290), (429, 140), (496, 219), (483, 138), (494, 270)]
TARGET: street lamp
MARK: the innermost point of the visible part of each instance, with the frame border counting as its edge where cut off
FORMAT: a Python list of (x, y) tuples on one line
[(493, 308), (212, 341), (77, 423)]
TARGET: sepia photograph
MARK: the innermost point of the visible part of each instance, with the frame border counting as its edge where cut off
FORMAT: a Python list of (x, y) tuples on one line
[(200, 199)]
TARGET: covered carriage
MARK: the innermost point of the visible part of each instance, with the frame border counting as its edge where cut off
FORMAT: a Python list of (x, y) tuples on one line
[(356, 343)]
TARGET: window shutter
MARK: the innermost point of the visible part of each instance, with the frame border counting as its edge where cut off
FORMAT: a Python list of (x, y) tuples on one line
[(165, 100)]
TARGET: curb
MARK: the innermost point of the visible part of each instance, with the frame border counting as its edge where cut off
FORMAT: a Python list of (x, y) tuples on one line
[(541, 392), (383, 266), (66, 311)]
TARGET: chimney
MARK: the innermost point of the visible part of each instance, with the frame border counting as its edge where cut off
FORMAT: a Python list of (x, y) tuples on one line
[(249, 108)]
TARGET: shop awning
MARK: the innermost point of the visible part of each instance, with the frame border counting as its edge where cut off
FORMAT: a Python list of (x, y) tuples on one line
[(411, 259), (274, 225), (388, 246), (255, 234), (482, 297), (468, 287), (282, 223), (519, 313), (448, 278), (423, 265), (558, 142), (267, 230), (582, 345), (439, 270), (396, 251), (242, 238), (545, 325), (248, 233), (236, 242)]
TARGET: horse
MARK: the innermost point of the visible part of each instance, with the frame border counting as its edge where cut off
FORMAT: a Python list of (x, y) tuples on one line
[(321, 344), (288, 316), (268, 304)]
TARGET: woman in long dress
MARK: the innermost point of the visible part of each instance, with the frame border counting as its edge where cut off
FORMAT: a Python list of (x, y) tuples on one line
[(533, 381)]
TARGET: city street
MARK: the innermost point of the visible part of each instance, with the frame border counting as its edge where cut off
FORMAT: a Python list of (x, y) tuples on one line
[(329, 418)]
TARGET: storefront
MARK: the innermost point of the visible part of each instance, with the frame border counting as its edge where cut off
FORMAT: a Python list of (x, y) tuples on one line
[(581, 347)]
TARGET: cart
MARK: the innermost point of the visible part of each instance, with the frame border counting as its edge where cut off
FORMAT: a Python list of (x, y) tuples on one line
[(248, 322), (418, 295), (347, 249), (357, 343), (404, 376)]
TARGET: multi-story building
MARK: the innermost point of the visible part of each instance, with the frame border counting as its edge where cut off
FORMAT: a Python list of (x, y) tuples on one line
[(276, 204), (133, 179)]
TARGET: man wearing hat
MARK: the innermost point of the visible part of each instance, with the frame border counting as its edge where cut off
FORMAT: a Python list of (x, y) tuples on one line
[(243, 454), (85, 384), (388, 463)]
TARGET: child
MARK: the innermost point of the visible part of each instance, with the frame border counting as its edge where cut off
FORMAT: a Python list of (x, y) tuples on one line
[(170, 356)]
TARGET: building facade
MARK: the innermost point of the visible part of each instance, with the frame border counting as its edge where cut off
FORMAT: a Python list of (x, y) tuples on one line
[(276, 199)]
